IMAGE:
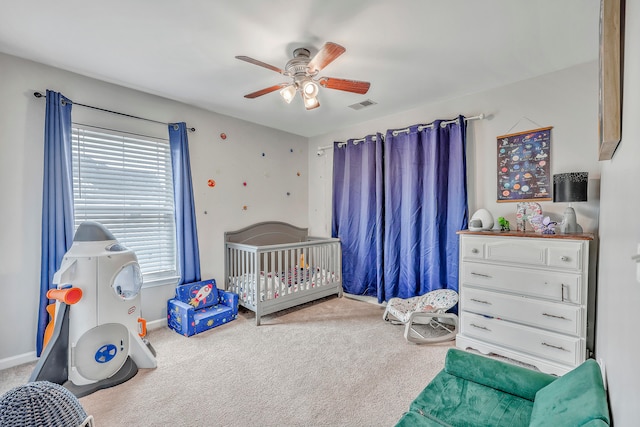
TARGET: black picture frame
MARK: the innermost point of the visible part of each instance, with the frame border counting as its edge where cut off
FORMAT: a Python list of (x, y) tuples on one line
[(524, 160)]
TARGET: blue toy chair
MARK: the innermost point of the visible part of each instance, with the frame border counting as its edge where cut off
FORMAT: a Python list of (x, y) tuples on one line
[(200, 306)]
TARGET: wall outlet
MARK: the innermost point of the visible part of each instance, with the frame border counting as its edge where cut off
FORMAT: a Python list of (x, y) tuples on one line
[(603, 371)]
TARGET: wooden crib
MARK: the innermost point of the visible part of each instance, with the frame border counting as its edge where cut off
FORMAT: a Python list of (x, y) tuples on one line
[(273, 266)]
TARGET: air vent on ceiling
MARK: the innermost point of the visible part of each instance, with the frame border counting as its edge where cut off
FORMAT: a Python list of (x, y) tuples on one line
[(363, 104)]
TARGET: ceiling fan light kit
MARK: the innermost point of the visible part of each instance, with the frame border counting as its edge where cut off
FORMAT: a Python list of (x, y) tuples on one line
[(303, 70), (288, 93), (310, 102), (310, 88)]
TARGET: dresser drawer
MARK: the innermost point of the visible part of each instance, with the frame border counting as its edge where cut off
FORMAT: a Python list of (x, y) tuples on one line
[(552, 285), (529, 251), (558, 317), (544, 344), (565, 255)]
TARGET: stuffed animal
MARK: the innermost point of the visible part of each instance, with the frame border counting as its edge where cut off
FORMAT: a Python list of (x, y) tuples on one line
[(543, 225)]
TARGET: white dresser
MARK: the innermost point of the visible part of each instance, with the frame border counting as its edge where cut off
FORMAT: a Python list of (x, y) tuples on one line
[(525, 296)]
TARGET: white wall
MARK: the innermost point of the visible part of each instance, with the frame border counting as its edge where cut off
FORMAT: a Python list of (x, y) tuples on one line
[(617, 331), (566, 100), (229, 162)]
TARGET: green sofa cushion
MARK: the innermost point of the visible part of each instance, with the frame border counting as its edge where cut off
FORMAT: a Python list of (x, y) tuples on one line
[(492, 373), (575, 399), (455, 401)]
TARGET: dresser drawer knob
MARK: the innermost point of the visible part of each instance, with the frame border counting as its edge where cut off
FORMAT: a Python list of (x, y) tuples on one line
[(555, 316), (480, 301), (484, 328), (554, 346), (564, 258), (474, 251)]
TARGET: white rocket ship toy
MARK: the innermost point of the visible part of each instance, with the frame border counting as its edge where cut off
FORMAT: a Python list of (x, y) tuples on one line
[(105, 330)]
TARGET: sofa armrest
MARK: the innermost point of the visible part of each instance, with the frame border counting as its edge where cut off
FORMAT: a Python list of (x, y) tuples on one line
[(502, 376), (230, 299), (180, 316), (577, 398), (415, 419), (183, 306)]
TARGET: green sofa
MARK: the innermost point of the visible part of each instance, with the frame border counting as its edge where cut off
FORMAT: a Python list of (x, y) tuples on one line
[(474, 390)]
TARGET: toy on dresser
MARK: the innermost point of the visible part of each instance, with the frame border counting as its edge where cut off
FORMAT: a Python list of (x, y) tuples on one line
[(524, 212)]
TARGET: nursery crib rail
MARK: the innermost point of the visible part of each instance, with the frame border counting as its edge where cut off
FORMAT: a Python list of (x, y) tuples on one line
[(271, 278)]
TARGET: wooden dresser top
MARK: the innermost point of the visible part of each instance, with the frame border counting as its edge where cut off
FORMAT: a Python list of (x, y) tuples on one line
[(498, 233)]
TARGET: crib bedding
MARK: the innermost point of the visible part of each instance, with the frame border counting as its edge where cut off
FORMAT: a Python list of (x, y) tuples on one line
[(274, 266), (273, 285)]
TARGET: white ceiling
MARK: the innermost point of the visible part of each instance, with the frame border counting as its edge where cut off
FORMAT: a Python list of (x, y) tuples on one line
[(412, 51)]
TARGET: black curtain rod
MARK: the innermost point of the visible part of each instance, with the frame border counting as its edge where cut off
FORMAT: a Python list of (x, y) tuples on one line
[(40, 95)]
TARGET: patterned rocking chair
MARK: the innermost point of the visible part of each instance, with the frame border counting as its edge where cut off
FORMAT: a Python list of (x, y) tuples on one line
[(429, 310)]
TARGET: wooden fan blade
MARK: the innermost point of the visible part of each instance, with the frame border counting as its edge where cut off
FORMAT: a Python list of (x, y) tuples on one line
[(354, 86), (260, 63), (327, 54), (266, 90)]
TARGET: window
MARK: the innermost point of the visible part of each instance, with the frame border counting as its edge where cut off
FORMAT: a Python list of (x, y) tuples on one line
[(124, 182)]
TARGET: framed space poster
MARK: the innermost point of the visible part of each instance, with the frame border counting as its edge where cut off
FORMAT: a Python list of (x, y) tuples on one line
[(523, 166)]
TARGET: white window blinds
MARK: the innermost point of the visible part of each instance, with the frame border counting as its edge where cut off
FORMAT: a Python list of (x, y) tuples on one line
[(124, 182)]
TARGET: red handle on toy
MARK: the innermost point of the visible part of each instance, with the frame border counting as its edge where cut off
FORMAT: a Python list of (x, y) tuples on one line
[(68, 296), (143, 327)]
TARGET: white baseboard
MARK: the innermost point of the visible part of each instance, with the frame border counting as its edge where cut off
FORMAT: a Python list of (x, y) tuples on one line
[(10, 362), (371, 300), (156, 324)]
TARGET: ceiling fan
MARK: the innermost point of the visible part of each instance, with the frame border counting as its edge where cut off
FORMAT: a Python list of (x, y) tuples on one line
[(304, 70)]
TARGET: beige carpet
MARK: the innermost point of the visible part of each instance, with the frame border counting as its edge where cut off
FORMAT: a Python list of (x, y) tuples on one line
[(333, 362)]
